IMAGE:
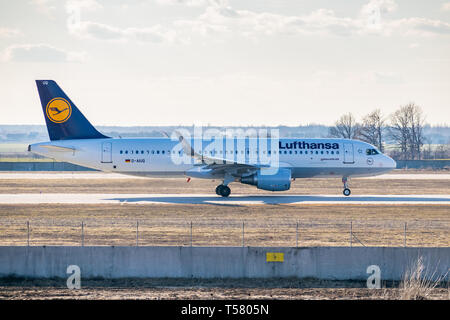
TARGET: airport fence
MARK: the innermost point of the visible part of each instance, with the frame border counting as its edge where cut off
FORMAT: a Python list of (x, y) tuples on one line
[(173, 232)]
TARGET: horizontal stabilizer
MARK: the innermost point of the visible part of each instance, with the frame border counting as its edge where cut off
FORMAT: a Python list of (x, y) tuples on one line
[(58, 148)]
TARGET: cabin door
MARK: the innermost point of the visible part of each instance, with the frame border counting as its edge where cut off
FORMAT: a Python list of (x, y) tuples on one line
[(106, 152), (349, 157)]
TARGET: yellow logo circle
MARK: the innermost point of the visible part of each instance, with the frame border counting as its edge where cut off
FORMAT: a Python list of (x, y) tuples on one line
[(58, 110)]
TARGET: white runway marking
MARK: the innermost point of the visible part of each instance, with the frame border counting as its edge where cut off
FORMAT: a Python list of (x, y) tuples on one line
[(76, 198), (103, 175)]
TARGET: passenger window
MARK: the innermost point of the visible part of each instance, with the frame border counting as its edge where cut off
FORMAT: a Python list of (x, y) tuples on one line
[(126, 151), (157, 151), (121, 151), (337, 152)]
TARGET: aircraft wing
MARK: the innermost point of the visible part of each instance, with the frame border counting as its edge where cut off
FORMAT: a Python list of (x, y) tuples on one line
[(218, 165)]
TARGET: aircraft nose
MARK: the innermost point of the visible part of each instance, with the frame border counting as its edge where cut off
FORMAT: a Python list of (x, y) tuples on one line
[(391, 163)]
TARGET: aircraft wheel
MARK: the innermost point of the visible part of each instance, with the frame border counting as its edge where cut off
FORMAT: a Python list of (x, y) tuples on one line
[(218, 189), (224, 191), (346, 192)]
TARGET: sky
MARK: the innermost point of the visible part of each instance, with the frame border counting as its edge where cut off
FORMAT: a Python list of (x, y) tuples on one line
[(225, 62)]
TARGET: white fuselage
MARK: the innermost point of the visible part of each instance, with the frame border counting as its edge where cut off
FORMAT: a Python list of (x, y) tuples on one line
[(164, 157)]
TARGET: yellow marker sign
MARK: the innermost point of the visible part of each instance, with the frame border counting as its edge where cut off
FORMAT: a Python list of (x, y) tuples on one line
[(275, 257), (58, 110)]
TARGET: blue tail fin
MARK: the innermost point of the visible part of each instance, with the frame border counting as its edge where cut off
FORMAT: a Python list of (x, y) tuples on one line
[(64, 120)]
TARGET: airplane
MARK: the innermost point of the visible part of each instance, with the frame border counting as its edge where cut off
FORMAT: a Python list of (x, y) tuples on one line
[(269, 164)]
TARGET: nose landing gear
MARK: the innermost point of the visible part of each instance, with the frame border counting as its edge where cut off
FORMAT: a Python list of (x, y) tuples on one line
[(222, 190), (346, 191)]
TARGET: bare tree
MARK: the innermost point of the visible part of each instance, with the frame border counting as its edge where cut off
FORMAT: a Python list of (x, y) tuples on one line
[(417, 121), (399, 130), (346, 127), (372, 129), (407, 130)]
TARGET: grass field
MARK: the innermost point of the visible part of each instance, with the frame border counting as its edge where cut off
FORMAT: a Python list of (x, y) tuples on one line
[(264, 225)]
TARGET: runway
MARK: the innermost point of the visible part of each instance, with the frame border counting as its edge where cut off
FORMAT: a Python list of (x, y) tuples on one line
[(173, 199)]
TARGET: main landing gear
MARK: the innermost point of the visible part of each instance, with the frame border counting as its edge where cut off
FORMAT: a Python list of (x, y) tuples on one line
[(223, 190), (346, 191)]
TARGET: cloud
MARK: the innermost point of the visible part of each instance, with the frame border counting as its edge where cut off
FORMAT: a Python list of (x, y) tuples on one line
[(420, 26), (248, 23), (90, 5), (40, 53), (387, 77), (9, 33), (99, 31), (46, 7), (189, 3), (372, 19), (375, 7), (445, 6), (219, 20)]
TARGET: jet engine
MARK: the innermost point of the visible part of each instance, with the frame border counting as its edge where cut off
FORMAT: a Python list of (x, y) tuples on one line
[(279, 181)]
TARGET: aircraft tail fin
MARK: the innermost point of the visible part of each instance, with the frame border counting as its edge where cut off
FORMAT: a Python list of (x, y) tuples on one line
[(64, 120)]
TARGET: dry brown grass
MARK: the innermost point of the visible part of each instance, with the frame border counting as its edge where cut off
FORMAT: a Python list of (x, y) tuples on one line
[(419, 283), (265, 225)]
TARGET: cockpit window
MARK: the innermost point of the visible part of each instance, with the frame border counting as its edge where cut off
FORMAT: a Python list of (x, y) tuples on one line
[(371, 152)]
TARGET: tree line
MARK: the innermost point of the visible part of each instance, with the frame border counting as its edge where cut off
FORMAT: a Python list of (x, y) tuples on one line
[(404, 127)]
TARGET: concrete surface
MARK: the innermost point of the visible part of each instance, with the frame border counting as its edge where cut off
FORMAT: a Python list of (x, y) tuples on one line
[(336, 263)]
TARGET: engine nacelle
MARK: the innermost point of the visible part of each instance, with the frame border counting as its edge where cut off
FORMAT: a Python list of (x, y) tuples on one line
[(280, 181)]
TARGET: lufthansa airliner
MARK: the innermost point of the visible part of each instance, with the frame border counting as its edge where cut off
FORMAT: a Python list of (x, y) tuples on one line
[(268, 162)]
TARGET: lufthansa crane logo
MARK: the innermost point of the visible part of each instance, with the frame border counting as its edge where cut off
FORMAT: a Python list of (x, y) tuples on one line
[(58, 110)]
